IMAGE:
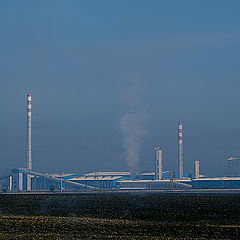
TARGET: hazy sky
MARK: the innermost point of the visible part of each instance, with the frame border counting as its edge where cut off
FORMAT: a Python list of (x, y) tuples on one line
[(99, 69)]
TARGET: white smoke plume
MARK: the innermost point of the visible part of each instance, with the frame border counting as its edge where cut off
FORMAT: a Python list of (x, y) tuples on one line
[(133, 132)]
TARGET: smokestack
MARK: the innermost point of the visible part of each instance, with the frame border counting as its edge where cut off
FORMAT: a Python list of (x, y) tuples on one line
[(29, 131), (158, 164), (196, 167), (180, 150)]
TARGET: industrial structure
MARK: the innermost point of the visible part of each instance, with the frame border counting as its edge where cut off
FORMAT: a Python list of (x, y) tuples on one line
[(25, 179), (29, 131), (196, 170), (158, 164), (180, 150), (233, 167), (29, 139), (43, 182)]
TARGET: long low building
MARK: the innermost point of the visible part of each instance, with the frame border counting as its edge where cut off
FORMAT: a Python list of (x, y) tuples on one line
[(22, 179), (106, 182), (153, 184), (25, 180), (216, 183)]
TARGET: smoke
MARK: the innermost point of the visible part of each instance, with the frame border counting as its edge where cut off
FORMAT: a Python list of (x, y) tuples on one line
[(131, 125), (133, 133)]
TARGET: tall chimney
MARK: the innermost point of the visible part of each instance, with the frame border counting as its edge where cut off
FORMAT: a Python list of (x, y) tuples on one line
[(180, 150), (29, 131), (196, 168), (158, 164)]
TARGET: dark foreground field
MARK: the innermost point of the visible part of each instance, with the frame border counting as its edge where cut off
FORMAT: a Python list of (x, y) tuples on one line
[(120, 216), (19, 227)]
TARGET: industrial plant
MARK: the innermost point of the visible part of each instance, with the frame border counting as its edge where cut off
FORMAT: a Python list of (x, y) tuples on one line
[(27, 180)]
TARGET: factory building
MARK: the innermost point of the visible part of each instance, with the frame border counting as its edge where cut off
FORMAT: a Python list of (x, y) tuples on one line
[(25, 179), (127, 175), (91, 181), (107, 182), (19, 180), (216, 183), (233, 167), (73, 182), (169, 184), (43, 182), (108, 174)]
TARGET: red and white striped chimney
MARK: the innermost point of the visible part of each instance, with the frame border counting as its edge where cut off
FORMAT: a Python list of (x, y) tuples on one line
[(180, 150), (29, 131)]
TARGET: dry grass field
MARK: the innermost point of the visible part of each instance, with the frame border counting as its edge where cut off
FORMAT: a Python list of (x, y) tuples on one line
[(22, 227), (120, 216)]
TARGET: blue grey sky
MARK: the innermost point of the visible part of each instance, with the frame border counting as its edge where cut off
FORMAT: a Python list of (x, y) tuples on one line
[(90, 63)]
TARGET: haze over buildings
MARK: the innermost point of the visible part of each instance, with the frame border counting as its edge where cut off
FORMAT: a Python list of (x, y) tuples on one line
[(84, 60)]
